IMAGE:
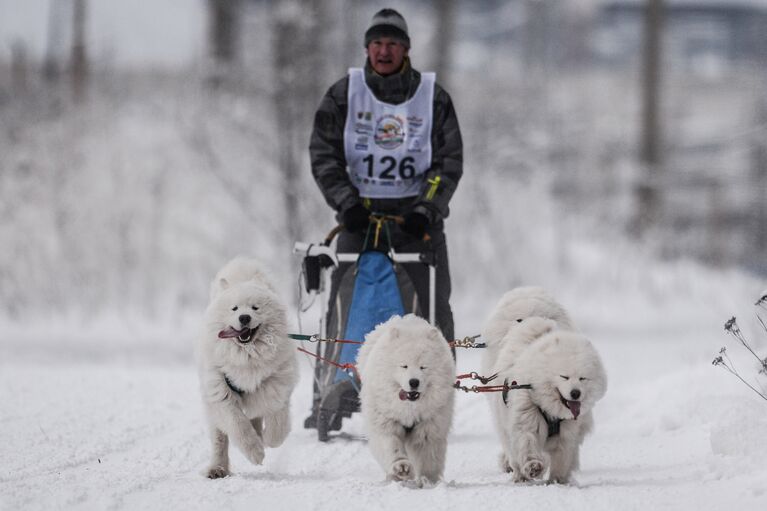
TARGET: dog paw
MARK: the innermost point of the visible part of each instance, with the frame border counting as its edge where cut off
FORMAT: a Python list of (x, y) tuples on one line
[(401, 470), (503, 461), (533, 469), (216, 472), (559, 476), (254, 453), (276, 429), (427, 481)]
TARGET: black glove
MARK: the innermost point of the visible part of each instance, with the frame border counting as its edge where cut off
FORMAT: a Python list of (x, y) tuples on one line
[(356, 218), (415, 225)]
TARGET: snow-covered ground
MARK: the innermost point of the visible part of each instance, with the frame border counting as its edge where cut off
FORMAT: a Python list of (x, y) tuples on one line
[(111, 419), (129, 202)]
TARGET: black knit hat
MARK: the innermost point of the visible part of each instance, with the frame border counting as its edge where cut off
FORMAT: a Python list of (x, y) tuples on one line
[(387, 23)]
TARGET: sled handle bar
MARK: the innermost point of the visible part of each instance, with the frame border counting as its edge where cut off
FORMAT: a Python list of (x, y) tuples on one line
[(374, 218), (311, 249)]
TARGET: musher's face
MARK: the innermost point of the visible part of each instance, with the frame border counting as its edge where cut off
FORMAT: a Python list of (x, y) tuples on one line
[(386, 55)]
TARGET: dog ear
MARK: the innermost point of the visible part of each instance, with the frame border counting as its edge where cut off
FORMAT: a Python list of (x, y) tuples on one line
[(223, 283), (433, 334)]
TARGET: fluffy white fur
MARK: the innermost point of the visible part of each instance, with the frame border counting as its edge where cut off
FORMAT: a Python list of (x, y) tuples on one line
[(509, 315), (238, 270), (407, 437), (530, 341), (260, 365)]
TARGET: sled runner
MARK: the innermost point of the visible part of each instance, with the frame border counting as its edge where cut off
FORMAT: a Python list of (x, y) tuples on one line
[(369, 286)]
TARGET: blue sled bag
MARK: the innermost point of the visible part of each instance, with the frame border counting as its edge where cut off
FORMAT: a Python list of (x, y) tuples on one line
[(375, 298)]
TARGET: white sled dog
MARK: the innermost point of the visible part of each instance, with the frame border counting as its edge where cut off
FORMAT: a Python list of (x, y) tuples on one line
[(541, 429), (506, 323), (247, 365), (407, 372)]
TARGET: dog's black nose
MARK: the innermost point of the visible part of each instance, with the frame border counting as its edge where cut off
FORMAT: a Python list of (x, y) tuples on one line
[(414, 383), (244, 319), (575, 393)]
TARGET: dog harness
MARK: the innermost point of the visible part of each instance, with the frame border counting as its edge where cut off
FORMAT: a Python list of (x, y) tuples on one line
[(233, 387), (552, 423)]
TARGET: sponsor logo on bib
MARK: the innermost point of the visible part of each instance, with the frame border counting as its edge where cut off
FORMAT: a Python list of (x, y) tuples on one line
[(390, 132)]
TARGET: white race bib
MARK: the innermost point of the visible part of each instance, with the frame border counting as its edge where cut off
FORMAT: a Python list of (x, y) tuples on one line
[(388, 147)]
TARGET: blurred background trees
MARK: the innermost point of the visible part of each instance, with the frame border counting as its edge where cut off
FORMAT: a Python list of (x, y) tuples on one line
[(180, 138)]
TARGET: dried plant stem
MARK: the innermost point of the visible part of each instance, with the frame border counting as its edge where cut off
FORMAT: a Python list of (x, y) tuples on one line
[(732, 328), (744, 381), (735, 332)]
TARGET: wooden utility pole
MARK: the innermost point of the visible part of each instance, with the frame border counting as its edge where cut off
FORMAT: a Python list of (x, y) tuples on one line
[(51, 65), (79, 59), (648, 192), (298, 65), (443, 43), (18, 67), (224, 20), (224, 30)]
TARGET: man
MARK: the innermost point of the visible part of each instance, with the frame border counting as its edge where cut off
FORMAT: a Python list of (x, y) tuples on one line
[(339, 142), (386, 140)]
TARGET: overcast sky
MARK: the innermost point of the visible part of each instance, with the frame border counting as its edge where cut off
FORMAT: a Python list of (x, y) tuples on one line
[(136, 32)]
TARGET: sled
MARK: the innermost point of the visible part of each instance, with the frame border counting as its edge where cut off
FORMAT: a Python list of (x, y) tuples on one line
[(373, 286)]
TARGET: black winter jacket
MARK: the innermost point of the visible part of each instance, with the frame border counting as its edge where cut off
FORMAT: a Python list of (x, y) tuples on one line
[(328, 159)]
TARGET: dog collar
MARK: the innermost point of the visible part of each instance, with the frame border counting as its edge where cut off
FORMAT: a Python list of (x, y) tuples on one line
[(409, 429), (552, 422), (233, 387)]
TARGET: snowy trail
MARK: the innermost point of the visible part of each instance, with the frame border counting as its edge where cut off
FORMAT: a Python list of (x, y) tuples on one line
[(672, 433)]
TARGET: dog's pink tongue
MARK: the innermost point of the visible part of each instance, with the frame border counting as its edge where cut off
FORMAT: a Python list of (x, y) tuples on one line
[(402, 395), (575, 408), (231, 332)]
